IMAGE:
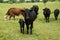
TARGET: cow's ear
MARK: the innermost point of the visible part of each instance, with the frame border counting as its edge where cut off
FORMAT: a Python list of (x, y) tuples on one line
[(30, 10), (23, 10), (43, 9)]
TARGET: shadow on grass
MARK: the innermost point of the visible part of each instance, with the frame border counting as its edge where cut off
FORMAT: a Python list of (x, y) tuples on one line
[(42, 20), (53, 20)]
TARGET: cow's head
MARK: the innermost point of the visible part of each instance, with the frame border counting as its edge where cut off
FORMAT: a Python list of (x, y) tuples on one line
[(35, 8), (45, 10), (6, 17), (26, 13)]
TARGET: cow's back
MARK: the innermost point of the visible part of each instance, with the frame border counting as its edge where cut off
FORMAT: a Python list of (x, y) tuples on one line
[(33, 15), (46, 12), (15, 11), (10, 11), (56, 11), (18, 11)]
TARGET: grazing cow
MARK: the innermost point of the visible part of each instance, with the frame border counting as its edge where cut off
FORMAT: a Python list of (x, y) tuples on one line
[(46, 13), (35, 8), (21, 22), (29, 17), (12, 12), (56, 13)]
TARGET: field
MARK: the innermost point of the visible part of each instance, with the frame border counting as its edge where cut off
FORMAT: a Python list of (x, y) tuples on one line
[(10, 30)]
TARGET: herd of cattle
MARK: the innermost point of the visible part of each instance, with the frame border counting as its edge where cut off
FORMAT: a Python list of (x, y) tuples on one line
[(29, 16), (47, 12)]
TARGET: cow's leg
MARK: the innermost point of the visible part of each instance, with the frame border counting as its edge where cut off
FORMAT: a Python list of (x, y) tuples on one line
[(27, 28), (32, 24), (31, 28), (13, 16), (10, 17), (20, 29), (23, 30), (46, 18), (55, 17)]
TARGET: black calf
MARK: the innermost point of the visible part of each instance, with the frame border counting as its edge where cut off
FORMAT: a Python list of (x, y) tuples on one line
[(21, 22), (46, 13), (56, 13)]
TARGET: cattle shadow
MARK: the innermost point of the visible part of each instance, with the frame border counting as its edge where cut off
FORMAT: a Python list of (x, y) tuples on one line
[(53, 20), (42, 20)]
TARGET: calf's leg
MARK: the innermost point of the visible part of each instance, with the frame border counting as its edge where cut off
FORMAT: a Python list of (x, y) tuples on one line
[(23, 30), (27, 28)]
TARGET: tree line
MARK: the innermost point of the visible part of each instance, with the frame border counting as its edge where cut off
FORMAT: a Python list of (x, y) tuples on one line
[(14, 1)]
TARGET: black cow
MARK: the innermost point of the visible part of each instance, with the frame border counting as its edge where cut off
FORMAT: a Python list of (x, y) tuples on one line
[(29, 17), (35, 8), (46, 13), (21, 22), (56, 13)]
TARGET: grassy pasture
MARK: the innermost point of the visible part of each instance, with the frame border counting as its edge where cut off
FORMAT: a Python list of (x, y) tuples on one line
[(9, 30)]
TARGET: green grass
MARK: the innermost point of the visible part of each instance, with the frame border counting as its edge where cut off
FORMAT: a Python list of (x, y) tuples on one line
[(9, 30)]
